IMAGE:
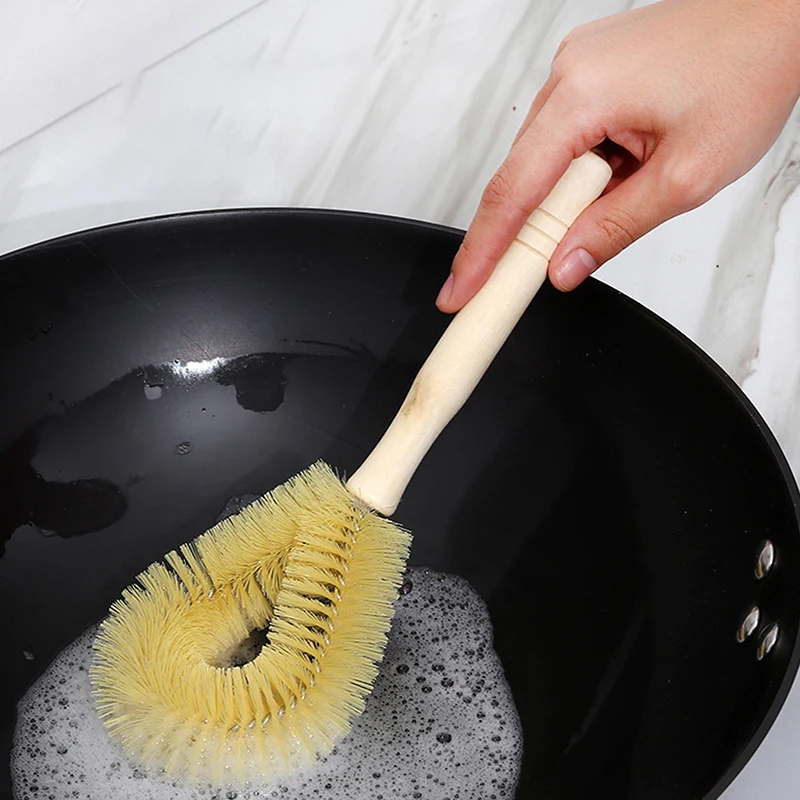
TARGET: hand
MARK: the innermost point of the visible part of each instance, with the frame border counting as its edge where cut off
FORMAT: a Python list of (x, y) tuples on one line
[(687, 96)]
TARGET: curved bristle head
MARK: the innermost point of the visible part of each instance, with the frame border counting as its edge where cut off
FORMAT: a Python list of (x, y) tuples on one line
[(306, 578)]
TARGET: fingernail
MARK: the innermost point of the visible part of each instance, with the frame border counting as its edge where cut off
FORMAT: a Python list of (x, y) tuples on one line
[(575, 268), (446, 290)]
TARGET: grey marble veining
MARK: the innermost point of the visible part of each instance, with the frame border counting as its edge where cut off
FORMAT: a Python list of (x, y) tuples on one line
[(742, 306), (734, 313)]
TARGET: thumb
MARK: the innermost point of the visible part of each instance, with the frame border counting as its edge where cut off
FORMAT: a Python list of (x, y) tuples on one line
[(613, 222)]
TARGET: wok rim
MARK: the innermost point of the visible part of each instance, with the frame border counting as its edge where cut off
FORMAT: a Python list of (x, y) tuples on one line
[(644, 314)]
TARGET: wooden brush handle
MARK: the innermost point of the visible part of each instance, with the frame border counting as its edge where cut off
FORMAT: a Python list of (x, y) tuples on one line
[(473, 338)]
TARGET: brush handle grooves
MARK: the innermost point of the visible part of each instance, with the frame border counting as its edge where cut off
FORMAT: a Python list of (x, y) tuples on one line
[(473, 338)]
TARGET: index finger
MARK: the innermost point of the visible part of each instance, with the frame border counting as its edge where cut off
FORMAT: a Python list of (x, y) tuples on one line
[(531, 169)]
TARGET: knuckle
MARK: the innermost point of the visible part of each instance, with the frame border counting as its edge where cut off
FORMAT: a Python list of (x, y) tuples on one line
[(577, 81), (687, 185), (562, 47), (679, 184), (619, 228), (467, 252), (569, 42), (500, 191)]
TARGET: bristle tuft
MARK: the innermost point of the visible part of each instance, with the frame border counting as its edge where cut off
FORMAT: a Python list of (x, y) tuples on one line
[(307, 563)]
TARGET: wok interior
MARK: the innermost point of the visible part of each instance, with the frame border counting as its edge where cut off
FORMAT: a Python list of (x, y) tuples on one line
[(605, 489)]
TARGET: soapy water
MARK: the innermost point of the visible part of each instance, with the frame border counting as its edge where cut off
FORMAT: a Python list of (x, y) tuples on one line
[(440, 723)]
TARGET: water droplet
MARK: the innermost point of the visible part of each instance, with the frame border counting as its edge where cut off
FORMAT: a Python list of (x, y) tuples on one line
[(402, 668), (407, 586), (444, 737)]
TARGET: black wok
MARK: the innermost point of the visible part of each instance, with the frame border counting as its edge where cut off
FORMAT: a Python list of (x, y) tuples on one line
[(606, 478)]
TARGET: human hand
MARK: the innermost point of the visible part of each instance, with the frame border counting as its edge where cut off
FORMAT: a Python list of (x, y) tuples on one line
[(685, 95)]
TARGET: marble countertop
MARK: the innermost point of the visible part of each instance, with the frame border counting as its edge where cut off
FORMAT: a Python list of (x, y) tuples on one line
[(118, 110)]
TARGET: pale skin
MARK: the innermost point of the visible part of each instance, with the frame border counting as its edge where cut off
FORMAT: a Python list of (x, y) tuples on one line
[(684, 96)]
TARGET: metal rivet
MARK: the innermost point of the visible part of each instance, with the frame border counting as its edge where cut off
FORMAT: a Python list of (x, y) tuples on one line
[(766, 559), (748, 625), (768, 640)]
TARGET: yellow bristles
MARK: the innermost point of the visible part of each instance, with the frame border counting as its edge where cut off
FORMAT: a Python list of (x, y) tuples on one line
[(308, 563)]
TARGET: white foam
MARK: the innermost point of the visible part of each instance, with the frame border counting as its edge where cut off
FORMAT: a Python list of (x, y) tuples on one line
[(440, 723)]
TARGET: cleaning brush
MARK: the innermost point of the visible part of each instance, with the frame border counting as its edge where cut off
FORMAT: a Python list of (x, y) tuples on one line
[(305, 578)]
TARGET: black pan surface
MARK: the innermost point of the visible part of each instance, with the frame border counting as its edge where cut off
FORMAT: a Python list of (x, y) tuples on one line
[(607, 488)]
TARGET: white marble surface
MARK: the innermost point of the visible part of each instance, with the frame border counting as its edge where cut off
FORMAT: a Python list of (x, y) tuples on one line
[(115, 110)]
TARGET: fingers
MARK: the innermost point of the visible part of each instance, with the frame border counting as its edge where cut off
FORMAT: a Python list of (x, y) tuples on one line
[(482, 247), (515, 190), (633, 208), (531, 169), (537, 105), (647, 80)]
